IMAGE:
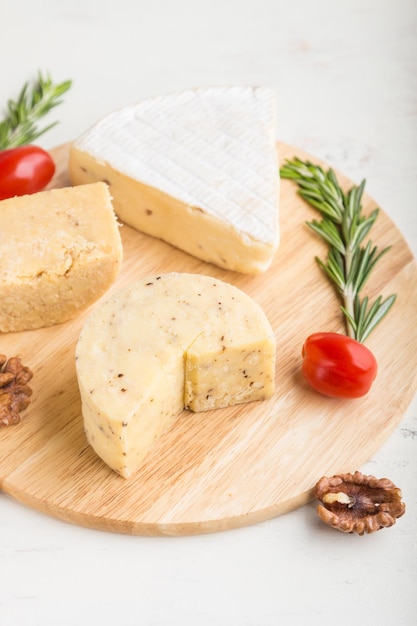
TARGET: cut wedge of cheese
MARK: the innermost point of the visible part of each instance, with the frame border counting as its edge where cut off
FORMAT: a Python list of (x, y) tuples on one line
[(169, 342), (198, 169), (60, 250)]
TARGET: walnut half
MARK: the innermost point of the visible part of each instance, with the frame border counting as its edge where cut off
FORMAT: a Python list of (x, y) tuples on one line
[(14, 390), (355, 503)]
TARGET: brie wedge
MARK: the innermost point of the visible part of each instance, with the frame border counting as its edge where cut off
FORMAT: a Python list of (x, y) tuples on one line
[(198, 169)]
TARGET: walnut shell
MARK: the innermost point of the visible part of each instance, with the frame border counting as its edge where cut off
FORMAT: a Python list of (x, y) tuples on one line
[(14, 391), (356, 503)]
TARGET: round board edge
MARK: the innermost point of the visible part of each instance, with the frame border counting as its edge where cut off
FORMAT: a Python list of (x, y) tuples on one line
[(193, 528)]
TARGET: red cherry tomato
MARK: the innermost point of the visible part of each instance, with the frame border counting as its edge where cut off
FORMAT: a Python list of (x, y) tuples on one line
[(338, 366), (26, 169)]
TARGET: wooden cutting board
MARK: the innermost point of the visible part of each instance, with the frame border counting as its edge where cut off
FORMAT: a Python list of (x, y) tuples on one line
[(232, 467)]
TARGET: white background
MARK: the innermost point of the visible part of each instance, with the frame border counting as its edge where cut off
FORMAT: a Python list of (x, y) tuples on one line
[(345, 77)]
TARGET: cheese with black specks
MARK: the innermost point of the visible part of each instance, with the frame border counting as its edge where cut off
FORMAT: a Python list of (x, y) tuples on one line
[(169, 342)]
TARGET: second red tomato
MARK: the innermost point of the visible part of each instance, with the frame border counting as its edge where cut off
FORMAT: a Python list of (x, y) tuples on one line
[(338, 366), (24, 170)]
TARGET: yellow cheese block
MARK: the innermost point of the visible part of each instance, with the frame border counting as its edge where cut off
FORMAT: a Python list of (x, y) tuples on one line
[(60, 250), (169, 342)]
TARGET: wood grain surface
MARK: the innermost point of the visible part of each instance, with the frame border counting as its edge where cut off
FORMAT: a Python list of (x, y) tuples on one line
[(232, 467)]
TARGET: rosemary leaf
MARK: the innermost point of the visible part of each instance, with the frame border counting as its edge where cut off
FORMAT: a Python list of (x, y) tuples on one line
[(379, 311), (335, 268), (328, 231), (362, 229), (369, 265), (317, 202), (366, 320)]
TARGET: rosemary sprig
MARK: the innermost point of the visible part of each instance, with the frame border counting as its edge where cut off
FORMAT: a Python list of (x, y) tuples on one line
[(19, 127), (344, 227)]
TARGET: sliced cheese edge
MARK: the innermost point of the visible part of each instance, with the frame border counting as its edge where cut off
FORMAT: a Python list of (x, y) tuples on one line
[(197, 169), (170, 342), (61, 250)]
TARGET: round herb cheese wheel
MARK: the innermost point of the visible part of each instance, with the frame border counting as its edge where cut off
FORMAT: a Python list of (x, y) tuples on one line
[(169, 342)]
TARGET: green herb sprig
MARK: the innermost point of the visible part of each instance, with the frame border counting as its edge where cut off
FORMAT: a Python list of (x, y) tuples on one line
[(344, 227), (19, 127)]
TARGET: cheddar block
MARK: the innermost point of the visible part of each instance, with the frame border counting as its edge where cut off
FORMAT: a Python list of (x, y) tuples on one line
[(60, 251), (169, 342), (198, 169)]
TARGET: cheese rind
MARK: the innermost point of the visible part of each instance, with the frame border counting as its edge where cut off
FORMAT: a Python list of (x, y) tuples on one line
[(161, 345), (60, 251), (197, 169)]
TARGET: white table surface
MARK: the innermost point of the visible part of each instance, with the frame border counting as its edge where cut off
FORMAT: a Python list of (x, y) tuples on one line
[(345, 77)]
